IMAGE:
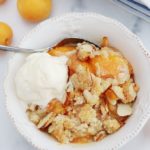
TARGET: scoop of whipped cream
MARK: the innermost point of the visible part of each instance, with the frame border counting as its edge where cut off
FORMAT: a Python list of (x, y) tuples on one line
[(41, 78)]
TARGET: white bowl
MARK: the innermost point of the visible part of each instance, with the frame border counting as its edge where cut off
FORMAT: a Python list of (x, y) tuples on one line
[(92, 27)]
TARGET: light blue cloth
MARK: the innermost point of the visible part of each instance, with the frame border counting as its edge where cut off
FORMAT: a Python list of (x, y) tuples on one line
[(135, 7)]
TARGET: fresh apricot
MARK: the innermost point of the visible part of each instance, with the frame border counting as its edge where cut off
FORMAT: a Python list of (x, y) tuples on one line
[(2, 1), (6, 34), (34, 10)]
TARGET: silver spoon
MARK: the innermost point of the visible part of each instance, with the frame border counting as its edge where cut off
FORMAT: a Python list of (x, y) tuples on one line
[(67, 41)]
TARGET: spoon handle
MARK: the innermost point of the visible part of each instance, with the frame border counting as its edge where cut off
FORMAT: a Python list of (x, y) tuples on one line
[(67, 41), (18, 49)]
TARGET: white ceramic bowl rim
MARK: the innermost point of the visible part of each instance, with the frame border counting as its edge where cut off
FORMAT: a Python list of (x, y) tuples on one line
[(142, 121)]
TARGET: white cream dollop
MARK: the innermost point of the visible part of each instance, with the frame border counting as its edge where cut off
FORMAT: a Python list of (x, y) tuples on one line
[(42, 78)]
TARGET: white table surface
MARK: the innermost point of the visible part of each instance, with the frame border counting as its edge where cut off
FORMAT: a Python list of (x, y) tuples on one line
[(10, 139)]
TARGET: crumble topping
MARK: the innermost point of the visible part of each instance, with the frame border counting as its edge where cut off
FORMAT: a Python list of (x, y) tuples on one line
[(99, 96), (111, 125)]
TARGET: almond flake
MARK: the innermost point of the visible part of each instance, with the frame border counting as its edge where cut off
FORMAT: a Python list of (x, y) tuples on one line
[(124, 110), (118, 91), (90, 98)]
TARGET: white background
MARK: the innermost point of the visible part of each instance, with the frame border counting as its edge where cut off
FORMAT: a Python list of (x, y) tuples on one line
[(10, 139)]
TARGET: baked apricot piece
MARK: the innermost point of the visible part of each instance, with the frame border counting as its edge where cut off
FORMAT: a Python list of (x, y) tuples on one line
[(56, 107), (111, 64), (74, 62), (59, 51)]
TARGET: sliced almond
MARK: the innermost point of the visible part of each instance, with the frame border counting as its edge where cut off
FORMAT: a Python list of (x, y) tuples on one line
[(118, 91), (33, 117), (99, 136), (105, 84), (124, 110), (90, 98), (104, 109), (45, 121), (129, 90), (132, 90), (70, 87)]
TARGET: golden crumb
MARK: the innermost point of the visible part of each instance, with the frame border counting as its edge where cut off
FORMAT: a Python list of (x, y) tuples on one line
[(81, 79), (87, 113), (111, 125)]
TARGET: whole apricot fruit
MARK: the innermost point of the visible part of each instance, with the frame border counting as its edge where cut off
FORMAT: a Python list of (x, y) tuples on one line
[(6, 34), (2, 1), (34, 10)]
